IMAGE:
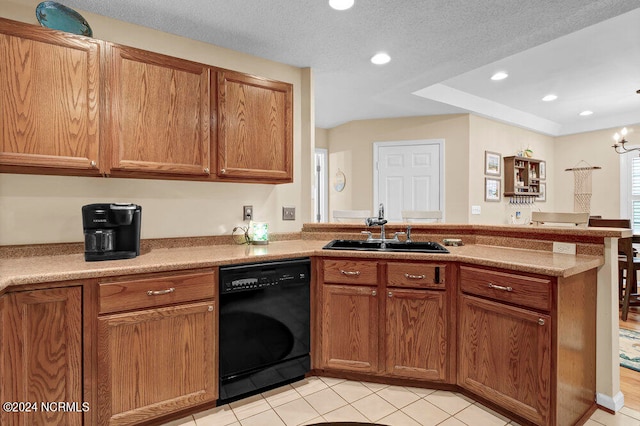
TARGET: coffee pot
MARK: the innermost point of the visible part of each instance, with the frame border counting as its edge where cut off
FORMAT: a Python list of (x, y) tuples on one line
[(111, 231)]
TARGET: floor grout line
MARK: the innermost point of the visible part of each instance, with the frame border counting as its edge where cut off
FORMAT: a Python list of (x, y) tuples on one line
[(297, 395)]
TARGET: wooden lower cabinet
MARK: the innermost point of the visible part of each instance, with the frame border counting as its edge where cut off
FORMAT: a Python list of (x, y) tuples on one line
[(526, 343), (350, 328), (41, 357), (416, 334), (371, 327), (505, 356), (155, 362)]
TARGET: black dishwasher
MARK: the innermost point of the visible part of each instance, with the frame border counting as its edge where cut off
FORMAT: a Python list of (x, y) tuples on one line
[(264, 326)]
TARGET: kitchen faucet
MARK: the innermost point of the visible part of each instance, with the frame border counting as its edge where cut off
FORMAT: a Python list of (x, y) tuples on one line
[(379, 221), (376, 221)]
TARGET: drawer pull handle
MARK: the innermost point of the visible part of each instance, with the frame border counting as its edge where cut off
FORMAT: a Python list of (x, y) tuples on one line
[(415, 277), (349, 273), (500, 287), (540, 321), (160, 292)]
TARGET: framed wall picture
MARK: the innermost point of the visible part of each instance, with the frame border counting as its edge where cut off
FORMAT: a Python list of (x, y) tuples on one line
[(543, 170), (492, 188), (492, 163), (543, 192)]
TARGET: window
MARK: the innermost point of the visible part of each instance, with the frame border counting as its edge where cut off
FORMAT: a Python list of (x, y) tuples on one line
[(630, 190)]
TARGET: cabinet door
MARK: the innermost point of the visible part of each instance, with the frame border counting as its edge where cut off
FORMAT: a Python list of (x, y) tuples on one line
[(504, 356), (49, 101), (416, 334), (255, 131), (350, 328), (159, 113), (41, 356), (155, 362)]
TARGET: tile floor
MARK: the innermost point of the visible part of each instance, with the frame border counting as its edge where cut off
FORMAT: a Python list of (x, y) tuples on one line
[(321, 399)]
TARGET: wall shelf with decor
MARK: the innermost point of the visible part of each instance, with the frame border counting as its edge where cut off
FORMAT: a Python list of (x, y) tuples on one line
[(523, 176)]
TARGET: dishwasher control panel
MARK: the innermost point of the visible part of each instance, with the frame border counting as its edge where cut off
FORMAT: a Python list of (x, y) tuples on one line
[(256, 276)]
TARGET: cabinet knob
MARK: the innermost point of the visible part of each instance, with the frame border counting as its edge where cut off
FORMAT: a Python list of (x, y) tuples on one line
[(223, 171), (540, 321), (374, 293), (93, 164), (390, 294), (206, 170), (210, 309)]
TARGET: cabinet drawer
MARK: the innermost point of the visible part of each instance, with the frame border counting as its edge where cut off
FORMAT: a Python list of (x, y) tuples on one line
[(350, 272), (416, 275), (512, 288), (156, 291)]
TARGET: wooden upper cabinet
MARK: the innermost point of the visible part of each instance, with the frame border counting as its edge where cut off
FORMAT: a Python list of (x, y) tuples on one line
[(255, 128), (49, 101), (159, 112)]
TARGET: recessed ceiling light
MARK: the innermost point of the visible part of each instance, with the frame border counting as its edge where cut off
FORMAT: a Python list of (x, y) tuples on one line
[(341, 4), (499, 76), (380, 58), (585, 113), (550, 98)]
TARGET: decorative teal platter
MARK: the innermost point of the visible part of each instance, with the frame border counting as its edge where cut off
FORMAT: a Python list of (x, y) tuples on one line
[(57, 16)]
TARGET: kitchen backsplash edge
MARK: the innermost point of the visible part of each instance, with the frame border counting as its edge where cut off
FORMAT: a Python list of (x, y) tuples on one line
[(146, 245)]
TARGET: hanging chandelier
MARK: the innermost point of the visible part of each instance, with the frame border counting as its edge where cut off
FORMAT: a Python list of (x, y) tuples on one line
[(620, 141)]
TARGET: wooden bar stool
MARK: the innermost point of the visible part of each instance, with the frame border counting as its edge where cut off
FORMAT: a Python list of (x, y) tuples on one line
[(628, 264)]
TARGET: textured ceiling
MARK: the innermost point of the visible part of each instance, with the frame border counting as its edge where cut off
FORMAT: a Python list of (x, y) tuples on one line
[(430, 41)]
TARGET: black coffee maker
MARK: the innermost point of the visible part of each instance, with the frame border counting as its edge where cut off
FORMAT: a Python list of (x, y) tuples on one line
[(111, 231)]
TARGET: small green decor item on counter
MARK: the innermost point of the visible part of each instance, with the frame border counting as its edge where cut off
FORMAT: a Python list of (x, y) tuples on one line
[(630, 349), (259, 233)]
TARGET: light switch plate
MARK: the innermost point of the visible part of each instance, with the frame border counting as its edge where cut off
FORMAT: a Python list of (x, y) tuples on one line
[(475, 210), (288, 213)]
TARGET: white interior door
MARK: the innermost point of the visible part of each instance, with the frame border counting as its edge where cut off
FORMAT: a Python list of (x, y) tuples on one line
[(408, 176)]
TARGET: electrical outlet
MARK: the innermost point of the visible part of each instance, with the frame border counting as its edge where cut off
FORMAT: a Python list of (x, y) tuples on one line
[(247, 212), (475, 210), (288, 213), (566, 248)]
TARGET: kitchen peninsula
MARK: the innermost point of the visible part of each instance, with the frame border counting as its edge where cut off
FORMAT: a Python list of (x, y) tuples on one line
[(558, 310)]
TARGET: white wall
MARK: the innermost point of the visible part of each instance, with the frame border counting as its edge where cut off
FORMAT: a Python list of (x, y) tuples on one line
[(351, 151), (46, 209), (467, 137), (505, 139), (594, 148)]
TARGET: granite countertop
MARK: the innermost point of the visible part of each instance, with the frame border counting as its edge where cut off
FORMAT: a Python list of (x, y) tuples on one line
[(33, 270)]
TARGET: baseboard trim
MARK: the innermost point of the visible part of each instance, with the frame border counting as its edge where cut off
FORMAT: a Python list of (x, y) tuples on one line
[(612, 404)]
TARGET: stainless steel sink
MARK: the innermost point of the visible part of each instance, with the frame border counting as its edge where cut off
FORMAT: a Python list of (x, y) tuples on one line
[(364, 245)]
